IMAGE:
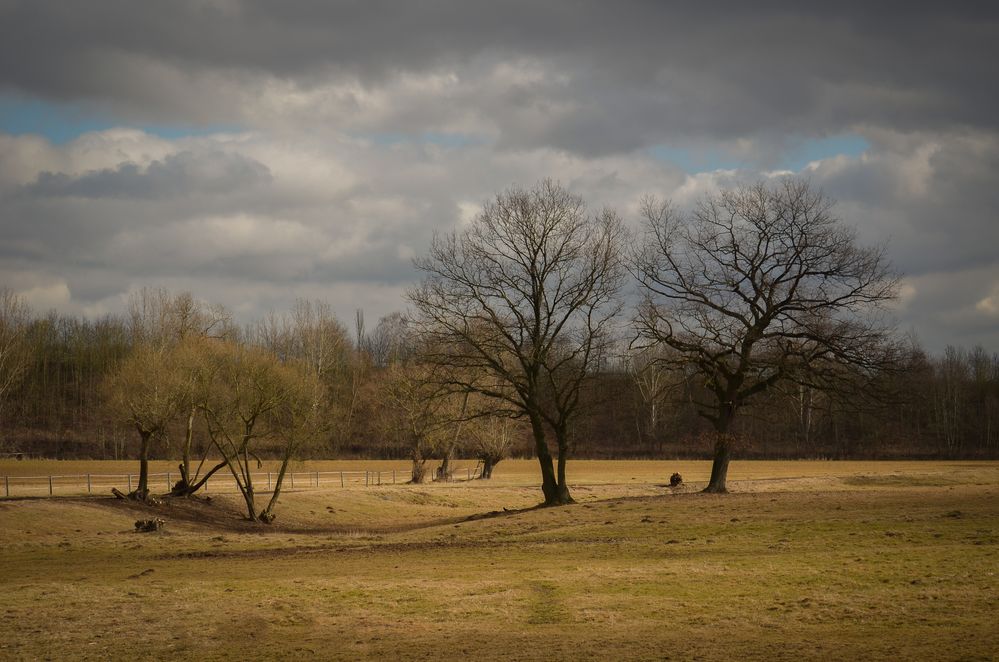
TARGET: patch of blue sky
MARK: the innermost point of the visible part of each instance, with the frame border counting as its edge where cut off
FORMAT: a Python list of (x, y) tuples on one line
[(799, 154), (62, 123), (810, 150)]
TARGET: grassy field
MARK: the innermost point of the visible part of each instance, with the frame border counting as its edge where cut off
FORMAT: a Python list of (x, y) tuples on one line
[(810, 560)]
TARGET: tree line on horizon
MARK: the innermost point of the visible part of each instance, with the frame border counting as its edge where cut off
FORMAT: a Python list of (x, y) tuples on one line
[(757, 302)]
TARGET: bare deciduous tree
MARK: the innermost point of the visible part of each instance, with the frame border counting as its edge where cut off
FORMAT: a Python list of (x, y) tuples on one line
[(246, 388), (420, 412), (145, 390), (525, 296), (192, 369), (15, 350), (756, 286), (299, 423), (157, 317), (311, 334), (174, 324), (392, 340), (249, 400), (654, 381), (490, 439)]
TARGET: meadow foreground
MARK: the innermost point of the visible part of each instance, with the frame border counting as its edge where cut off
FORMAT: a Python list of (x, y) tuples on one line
[(814, 560)]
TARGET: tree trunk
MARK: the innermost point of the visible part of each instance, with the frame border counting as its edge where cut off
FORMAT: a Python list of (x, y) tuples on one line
[(418, 473), (549, 484), (184, 487), (267, 514), (239, 467), (723, 451), (444, 471), (719, 467), (142, 491), (185, 459), (248, 491), (487, 468), (251, 513), (563, 454)]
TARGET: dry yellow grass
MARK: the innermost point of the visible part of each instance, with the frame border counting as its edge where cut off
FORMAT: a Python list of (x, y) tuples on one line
[(29, 476), (808, 560)]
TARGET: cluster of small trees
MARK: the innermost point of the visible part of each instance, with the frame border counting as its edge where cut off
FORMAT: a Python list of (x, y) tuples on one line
[(184, 381), (521, 339), (185, 370)]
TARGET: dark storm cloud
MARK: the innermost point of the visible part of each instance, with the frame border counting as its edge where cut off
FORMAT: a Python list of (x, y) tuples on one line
[(938, 203), (182, 174), (618, 75)]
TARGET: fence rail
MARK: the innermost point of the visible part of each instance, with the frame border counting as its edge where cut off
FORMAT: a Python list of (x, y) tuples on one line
[(93, 483)]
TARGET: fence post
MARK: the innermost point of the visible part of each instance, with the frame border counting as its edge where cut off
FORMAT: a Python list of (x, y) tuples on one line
[(317, 479), (469, 472), (129, 483), (379, 477), (6, 485), (168, 481), (365, 478), (268, 480), (50, 485), (341, 479), (89, 491), (292, 480), (393, 476)]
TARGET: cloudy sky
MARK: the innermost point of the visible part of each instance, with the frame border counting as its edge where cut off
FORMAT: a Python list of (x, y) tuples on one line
[(254, 152)]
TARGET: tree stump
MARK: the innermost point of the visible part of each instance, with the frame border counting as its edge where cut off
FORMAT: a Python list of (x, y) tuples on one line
[(675, 480), (148, 525)]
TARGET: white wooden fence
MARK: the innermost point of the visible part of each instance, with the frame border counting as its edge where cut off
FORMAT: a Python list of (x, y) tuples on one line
[(78, 484)]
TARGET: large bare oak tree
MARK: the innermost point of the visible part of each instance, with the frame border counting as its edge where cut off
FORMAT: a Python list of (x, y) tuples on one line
[(520, 304), (756, 286)]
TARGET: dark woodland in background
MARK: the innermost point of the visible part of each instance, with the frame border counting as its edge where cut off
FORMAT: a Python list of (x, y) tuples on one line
[(944, 406)]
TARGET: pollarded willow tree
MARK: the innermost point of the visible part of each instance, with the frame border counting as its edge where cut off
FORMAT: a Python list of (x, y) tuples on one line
[(421, 413), (173, 328), (247, 389), (300, 423), (489, 439), (146, 391), (758, 286), (519, 307)]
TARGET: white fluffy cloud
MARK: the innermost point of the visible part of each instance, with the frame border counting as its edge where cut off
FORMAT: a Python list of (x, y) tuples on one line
[(258, 220), (253, 221)]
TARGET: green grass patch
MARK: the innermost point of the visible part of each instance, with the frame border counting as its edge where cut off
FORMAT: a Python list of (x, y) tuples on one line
[(547, 604)]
